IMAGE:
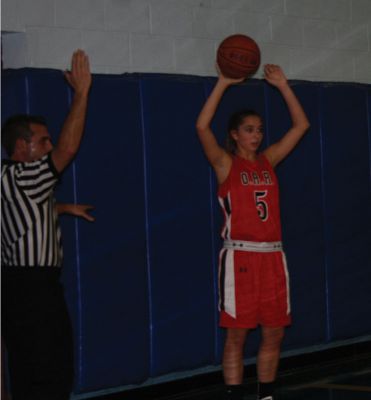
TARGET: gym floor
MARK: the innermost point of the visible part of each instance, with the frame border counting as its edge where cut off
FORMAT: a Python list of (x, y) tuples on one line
[(342, 373)]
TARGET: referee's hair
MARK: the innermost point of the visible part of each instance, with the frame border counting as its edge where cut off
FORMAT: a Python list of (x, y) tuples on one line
[(18, 127)]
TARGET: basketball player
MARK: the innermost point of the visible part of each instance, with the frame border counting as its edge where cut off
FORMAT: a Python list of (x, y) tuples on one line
[(253, 280)]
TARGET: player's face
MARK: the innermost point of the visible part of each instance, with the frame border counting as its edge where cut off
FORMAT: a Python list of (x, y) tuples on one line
[(40, 143), (249, 134)]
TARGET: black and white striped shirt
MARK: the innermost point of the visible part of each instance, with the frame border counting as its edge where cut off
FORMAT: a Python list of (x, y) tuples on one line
[(30, 233)]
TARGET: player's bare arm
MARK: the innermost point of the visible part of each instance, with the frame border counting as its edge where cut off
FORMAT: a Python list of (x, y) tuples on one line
[(77, 210), (69, 140), (275, 153), (218, 157)]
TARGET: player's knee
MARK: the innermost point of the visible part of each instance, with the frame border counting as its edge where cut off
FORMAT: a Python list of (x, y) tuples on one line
[(272, 336), (236, 337)]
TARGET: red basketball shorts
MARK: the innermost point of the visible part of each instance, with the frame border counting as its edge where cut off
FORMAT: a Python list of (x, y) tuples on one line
[(253, 289)]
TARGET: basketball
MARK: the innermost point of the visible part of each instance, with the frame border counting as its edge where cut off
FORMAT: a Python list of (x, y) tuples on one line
[(238, 56)]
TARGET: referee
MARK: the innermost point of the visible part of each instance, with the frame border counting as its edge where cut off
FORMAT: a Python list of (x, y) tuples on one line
[(35, 323)]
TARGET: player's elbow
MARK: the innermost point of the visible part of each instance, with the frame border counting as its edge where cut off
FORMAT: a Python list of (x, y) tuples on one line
[(203, 129), (200, 127), (306, 126)]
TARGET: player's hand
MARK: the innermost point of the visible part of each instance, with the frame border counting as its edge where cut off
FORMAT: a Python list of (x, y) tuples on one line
[(79, 77), (226, 80), (274, 75)]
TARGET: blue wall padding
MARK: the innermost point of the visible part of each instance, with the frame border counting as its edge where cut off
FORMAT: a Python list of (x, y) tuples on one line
[(179, 233), (112, 251), (347, 194), (13, 93), (141, 281)]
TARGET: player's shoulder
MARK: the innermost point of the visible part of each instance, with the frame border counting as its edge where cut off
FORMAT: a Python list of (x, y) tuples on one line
[(264, 159)]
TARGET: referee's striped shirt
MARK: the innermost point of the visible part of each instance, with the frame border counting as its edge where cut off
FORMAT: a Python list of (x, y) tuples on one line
[(30, 233)]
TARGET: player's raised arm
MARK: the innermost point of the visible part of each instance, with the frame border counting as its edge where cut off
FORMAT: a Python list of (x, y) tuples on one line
[(70, 137), (218, 157), (279, 150)]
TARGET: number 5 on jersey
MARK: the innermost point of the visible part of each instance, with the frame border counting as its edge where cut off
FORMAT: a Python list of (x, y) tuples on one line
[(260, 204)]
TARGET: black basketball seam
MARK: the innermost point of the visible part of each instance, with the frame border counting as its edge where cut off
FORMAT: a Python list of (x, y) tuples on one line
[(230, 61)]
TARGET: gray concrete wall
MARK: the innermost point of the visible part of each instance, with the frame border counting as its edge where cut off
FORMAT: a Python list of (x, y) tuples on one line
[(324, 40)]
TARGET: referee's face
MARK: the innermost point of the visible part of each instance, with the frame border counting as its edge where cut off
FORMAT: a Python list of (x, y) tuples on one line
[(40, 143)]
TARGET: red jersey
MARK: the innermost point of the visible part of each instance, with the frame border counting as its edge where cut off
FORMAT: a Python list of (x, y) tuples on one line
[(249, 198)]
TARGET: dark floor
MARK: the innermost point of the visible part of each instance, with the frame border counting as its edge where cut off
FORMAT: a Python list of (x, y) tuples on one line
[(338, 374), (351, 386)]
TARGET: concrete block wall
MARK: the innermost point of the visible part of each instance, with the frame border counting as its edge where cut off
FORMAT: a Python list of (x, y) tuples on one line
[(320, 40)]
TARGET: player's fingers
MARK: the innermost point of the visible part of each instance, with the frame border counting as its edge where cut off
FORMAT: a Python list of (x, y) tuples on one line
[(269, 68), (266, 69)]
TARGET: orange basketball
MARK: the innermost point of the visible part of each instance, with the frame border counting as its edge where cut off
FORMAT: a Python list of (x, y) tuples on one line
[(238, 56)]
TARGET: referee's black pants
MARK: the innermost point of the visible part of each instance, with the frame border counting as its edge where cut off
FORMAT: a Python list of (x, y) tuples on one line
[(37, 332)]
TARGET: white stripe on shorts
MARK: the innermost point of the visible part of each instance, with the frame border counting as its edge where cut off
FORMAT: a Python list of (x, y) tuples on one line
[(287, 283), (229, 298)]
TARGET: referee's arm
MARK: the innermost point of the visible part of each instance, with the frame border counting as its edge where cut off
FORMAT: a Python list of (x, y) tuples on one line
[(70, 137)]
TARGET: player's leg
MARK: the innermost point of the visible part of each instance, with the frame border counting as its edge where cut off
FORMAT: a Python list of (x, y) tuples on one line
[(274, 306), (245, 300), (233, 355), (233, 362), (268, 359)]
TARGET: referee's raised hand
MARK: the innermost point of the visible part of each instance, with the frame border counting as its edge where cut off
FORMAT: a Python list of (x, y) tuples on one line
[(79, 77), (70, 137)]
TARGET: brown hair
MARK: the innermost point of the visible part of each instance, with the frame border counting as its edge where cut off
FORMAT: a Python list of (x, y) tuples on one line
[(235, 120), (17, 127)]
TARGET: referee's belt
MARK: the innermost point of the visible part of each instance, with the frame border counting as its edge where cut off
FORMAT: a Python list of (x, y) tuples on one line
[(260, 247)]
